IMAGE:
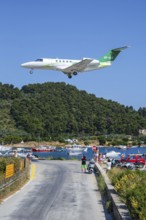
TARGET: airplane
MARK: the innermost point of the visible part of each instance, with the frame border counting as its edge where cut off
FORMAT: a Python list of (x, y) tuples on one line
[(73, 67)]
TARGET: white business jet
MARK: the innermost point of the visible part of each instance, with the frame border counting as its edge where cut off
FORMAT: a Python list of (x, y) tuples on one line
[(73, 67)]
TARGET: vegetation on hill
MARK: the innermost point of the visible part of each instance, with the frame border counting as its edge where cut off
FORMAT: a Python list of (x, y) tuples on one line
[(58, 110)]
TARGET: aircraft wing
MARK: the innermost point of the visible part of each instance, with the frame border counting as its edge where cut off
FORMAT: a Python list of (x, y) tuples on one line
[(78, 67)]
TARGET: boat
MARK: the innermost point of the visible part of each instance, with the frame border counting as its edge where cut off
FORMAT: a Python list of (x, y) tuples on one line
[(113, 154), (122, 147), (4, 148), (74, 153), (76, 150), (43, 149), (133, 147)]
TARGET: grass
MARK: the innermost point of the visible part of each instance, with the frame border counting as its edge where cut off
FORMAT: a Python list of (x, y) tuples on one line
[(103, 189), (15, 182), (9, 190)]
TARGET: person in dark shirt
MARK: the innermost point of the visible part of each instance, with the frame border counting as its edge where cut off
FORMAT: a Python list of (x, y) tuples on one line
[(83, 164)]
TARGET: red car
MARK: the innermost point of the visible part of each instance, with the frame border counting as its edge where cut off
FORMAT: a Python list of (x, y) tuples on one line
[(134, 158)]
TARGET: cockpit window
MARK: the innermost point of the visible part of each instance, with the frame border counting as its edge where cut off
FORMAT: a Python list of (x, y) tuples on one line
[(39, 60)]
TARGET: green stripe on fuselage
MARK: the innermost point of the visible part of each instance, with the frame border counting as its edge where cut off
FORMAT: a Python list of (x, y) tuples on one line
[(104, 64)]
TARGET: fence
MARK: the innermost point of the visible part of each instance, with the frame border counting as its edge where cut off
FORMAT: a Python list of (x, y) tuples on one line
[(8, 185)]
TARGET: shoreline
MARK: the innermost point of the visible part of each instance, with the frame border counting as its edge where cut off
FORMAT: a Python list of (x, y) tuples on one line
[(33, 144)]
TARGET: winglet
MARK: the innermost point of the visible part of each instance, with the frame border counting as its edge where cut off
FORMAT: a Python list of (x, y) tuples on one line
[(120, 48), (112, 54)]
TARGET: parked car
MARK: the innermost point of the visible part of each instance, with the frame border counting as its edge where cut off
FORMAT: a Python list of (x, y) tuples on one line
[(135, 158)]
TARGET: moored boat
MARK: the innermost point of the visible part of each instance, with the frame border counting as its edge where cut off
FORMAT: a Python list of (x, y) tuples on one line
[(113, 154), (43, 149), (122, 147), (76, 150), (74, 153)]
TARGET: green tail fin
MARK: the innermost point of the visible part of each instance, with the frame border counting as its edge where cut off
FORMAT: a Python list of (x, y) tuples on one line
[(112, 54)]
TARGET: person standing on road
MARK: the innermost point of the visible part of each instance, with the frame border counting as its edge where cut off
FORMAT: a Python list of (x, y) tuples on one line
[(109, 164), (99, 158), (83, 164), (96, 153)]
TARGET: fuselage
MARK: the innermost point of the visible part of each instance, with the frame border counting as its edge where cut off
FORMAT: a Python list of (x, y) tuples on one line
[(72, 67), (59, 64)]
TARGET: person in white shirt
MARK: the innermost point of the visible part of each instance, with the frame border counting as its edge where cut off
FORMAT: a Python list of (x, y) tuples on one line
[(109, 164)]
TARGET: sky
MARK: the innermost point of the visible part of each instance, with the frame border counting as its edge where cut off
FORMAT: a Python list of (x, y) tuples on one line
[(67, 29)]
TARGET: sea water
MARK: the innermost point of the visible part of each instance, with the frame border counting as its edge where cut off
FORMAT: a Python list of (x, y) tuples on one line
[(63, 154)]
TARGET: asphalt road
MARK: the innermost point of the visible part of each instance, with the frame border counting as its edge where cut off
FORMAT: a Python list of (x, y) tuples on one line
[(57, 190)]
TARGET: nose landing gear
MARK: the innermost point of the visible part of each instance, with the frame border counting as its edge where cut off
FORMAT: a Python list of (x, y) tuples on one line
[(31, 71), (69, 76)]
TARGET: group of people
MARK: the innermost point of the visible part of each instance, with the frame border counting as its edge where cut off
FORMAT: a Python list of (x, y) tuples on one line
[(84, 163), (98, 157)]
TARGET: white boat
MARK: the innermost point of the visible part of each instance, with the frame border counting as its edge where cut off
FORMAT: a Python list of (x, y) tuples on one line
[(122, 147), (74, 153), (113, 154), (4, 148), (76, 150)]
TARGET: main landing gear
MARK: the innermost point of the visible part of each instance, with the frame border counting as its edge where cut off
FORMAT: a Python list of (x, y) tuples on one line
[(75, 73), (31, 71), (70, 74)]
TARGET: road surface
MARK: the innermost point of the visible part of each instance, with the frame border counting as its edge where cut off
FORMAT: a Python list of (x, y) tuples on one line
[(58, 190)]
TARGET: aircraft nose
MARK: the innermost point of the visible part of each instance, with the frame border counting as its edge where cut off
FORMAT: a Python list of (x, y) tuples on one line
[(26, 65), (22, 65)]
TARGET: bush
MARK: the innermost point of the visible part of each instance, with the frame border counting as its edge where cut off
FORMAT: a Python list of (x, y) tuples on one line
[(12, 139), (2, 165), (109, 206), (86, 143), (101, 184), (131, 186), (4, 161)]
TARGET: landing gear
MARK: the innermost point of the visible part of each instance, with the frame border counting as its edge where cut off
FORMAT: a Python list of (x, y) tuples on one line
[(75, 73), (69, 76), (31, 71)]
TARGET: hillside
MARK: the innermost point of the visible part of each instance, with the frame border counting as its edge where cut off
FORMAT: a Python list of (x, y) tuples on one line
[(52, 110)]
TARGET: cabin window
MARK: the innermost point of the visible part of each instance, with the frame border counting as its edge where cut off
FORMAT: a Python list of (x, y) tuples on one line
[(39, 60)]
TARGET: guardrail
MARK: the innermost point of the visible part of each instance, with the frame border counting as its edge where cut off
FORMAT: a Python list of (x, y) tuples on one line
[(120, 210)]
